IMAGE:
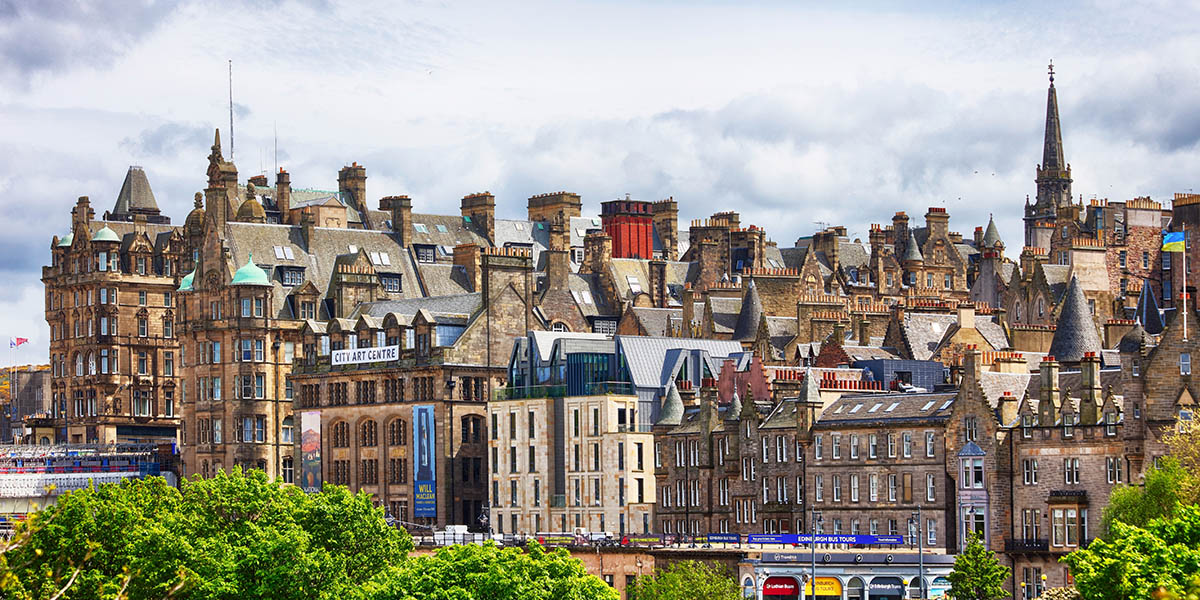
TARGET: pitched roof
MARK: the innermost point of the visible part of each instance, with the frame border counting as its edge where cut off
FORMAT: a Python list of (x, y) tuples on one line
[(1076, 330), (864, 410), (657, 321), (135, 193), (647, 356)]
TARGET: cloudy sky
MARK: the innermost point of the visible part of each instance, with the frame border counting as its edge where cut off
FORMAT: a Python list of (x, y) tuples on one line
[(789, 113)]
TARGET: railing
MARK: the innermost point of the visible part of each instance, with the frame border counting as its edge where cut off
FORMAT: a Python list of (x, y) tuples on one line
[(635, 428), (611, 388), (1027, 545), (558, 501), (529, 392)]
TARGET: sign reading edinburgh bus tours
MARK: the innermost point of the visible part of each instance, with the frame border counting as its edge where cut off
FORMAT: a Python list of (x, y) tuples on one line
[(310, 451), (792, 538), (425, 475), (365, 355)]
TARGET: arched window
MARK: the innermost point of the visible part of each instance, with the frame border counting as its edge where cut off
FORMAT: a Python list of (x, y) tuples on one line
[(204, 468), (472, 429), (369, 436), (287, 469), (1017, 312), (341, 435), (91, 363), (79, 364), (854, 590), (398, 433), (1041, 307), (559, 326)]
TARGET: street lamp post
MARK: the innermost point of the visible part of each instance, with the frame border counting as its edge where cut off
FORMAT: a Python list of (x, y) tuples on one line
[(812, 543), (916, 520)]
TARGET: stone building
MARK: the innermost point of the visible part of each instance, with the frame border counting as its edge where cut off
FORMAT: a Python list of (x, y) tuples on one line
[(30, 399), (111, 306)]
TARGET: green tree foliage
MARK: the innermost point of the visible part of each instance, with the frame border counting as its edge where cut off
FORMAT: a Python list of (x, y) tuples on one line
[(977, 575), (686, 580), (233, 536), (489, 572), (1164, 489), (1135, 562)]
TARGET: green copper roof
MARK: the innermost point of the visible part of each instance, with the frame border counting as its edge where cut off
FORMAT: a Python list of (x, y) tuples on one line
[(250, 274), (105, 235), (66, 240), (185, 284)]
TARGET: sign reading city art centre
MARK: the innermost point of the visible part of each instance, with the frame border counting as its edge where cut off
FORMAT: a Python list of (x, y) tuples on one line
[(365, 355), (792, 538)]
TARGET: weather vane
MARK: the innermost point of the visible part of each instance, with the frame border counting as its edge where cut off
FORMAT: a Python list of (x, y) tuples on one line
[(1051, 70)]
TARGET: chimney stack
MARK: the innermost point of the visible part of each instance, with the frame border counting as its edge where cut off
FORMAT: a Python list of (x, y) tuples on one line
[(283, 196), (400, 208)]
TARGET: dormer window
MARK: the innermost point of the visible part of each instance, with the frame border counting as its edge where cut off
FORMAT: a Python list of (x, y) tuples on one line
[(425, 253), (1026, 426), (292, 277), (390, 283)]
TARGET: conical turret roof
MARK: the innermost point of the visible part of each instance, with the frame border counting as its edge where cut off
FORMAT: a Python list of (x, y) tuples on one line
[(672, 408), (1147, 311), (912, 252), (1133, 340), (750, 316), (735, 407), (991, 236), (1076, 332)]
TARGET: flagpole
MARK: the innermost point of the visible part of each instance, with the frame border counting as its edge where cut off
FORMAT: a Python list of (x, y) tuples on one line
[(1185, 292)]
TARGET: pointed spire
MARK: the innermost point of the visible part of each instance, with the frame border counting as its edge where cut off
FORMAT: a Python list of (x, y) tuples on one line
[(1076, 331), (1134, 340), (735, 407), (1147, 313), (992, 235), (811, 390), (672, 408), (751, 314), (912, 252), (1052, 152), (217, 140)]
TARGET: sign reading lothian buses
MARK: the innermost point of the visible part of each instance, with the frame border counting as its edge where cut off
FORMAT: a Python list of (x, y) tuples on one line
[(365, 355)]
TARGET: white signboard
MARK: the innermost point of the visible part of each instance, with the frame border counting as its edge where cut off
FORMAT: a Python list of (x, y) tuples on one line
[(366, 355)]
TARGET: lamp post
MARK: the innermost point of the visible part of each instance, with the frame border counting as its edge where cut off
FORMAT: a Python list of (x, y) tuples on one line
[(815, 521), (915, 520)]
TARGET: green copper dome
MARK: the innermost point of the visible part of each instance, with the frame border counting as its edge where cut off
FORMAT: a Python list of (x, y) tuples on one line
[(65, 241), (105, 235), (185, 284), (250, 274)]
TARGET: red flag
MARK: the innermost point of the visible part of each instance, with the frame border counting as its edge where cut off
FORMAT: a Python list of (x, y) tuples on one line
[(16, 342)]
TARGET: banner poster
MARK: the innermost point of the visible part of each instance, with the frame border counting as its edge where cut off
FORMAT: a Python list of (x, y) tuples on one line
[(310, 451), (424, 463)]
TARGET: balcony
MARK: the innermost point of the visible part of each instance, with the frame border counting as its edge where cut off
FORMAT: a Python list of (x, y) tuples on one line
[(558, 501), (610, 388), (1025, 545), (530, 392)]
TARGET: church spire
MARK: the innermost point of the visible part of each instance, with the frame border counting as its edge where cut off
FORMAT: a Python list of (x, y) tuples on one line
[(1052, 151)]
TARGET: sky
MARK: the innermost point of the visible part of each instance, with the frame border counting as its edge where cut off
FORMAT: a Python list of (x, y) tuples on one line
[(795, 114)]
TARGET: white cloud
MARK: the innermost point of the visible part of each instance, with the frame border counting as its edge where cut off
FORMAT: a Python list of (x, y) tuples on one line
[(789, 114)]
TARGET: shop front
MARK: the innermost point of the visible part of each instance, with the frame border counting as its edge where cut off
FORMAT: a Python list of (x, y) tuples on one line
[(885, 588), (783, 587)]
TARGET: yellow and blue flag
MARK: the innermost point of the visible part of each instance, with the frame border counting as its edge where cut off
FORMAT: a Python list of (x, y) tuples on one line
[(1173, 241)]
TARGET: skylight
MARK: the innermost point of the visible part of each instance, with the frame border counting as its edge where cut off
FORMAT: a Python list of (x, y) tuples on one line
[(892, 407), (928, 405), (839, 409), (420, 228), (441, 228), (353, 249), (383, 258), (855, 409), (287, 253), (876, 407), (947, 404)]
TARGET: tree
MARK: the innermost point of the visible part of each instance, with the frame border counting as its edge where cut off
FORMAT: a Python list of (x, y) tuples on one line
[(685, 580), (977, 575), (1135, 562), (489, 572), (233, 536), (1163, 489)]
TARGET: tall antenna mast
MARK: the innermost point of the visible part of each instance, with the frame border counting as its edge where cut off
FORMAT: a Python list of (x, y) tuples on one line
[(276, 126), (231, 110)]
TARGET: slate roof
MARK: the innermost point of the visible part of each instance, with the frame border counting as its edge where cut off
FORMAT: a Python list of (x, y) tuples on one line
[(443, 279), (925, 331), (1058, 277), (515, 232), (1147, 312), (657, 321), (912, 252), (1133, 340), (672, 408), (995, 385), (992, 235), (750, 315), (462, 304), (135, 193), (1076, 330), (869, 409), (780, 331)]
